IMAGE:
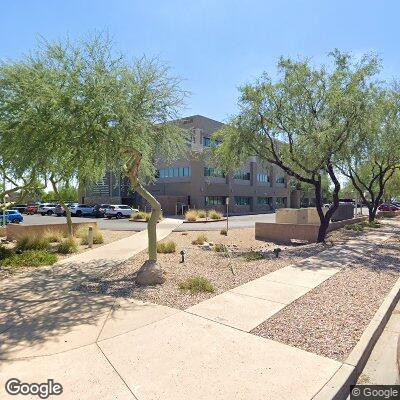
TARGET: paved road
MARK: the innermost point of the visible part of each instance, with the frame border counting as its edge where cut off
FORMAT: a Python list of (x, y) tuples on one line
[(239, 221)]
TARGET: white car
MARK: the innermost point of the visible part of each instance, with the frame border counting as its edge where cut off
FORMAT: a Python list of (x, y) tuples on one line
[(81, 209), (46, 208), (119, 211)]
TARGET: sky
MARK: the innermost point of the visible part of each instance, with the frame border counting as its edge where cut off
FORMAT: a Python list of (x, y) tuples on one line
[(213, 46)]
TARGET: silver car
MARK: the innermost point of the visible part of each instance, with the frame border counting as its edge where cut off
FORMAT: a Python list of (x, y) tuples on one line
[(80, 210)]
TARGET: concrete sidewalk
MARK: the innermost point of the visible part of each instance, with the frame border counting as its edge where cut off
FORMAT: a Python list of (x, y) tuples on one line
[(99, 347), (123, 249)]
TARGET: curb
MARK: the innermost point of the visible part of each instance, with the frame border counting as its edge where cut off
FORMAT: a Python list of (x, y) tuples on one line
[(204, 222), (338, 387)]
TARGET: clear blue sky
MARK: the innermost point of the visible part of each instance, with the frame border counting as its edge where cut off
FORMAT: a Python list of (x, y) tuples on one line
[(215, 45)]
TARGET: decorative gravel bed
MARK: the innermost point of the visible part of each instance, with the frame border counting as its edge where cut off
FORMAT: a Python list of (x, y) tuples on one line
[(330, 319), (223, 272)]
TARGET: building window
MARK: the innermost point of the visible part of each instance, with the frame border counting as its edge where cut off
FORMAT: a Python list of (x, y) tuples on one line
[(208, 142), (242, 201), (174, 172), (281, 201), (214, 172), (215, 200), (280, 179), (264, 200), (263, 178), (242, 175)]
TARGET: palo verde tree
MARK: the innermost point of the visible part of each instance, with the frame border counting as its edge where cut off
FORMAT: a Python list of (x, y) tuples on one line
[(301, 122), (374, 156)]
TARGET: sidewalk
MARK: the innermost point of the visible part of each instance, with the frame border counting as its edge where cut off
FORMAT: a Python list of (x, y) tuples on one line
[(107, 348)]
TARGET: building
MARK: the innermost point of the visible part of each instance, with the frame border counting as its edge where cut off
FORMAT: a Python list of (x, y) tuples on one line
[(192, 181)]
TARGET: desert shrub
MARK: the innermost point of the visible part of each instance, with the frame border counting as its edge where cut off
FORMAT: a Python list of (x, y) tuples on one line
[(191, 215), (214, 214), (253, 256), (166, 247), (141, 215), (200, 239), (372, 224), (355, 227), (83, 234), (223, 232), (197, 284), (201, 213), (386, 214), (5, 252), (32, 258), (67, 246), (26, 243), (53, 236), (219, 247)]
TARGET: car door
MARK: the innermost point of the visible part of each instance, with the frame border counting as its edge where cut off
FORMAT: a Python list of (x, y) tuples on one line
[(127, 211)]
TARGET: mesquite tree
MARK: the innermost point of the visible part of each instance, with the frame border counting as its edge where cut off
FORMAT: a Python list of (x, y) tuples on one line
[(301, 122), (374, 156)]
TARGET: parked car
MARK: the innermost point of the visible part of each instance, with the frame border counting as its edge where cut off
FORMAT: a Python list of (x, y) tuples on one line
[(46, 208), (59, 210), (12, 216), (99, 210), (31, 209), (119, 211), (388, 207), (19, 207), (80, 210)]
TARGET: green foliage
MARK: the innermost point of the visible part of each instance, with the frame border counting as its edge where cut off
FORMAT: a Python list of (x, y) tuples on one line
[(355, 227), (372, 224), (201, 213), (191, 215), (33, 258), (197, 284), (166, 247), (223, 232), (141, 215), (386, 214), (83, 234), (67, 246), (253, 256), (214, 214), (219, 247), (53, 236), (5, 252), (66, 193), (200, 239), (33, 243)]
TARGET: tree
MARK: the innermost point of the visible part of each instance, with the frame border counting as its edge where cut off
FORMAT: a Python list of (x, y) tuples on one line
[(374, 155), (392, 188), (301, 123)]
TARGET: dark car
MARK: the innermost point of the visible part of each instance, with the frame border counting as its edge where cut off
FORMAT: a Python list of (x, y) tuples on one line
[(99, 210), (388, 207), (21, 208)]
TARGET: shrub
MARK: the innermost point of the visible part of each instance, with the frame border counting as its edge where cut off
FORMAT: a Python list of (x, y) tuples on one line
[(5, 252), (386, 214), (67, 246), (191, 215), (33, 243), (201, 213), (83, 234), (372, 224), (166, 247), (223, 232), (200, 239), (253, 256), (141, 215), (219, 247), (53, 236), (214, 214), (355, 227), (32, 258), (197, 284)]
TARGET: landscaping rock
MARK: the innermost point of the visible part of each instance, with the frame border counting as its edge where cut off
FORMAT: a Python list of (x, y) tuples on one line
[(206, 246), (150, 273)]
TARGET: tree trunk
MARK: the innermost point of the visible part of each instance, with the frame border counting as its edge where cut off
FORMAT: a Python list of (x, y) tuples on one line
[(67, 210)]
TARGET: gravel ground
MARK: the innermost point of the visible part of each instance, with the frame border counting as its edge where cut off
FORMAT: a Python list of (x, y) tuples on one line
[(330, 319), (224, 273)]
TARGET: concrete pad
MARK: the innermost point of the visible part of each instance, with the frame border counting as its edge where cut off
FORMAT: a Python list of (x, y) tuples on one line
[(273, 291), (393, 324), (236, 310), (187, 357), (298, 276), (84, 373), (130, 314)]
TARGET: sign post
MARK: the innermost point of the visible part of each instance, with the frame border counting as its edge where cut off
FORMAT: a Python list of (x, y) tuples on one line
[(227, 214)]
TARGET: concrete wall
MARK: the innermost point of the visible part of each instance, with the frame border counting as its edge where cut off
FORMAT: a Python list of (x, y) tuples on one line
[(3, 232), (16, 231), (298, 215), (284, 232)]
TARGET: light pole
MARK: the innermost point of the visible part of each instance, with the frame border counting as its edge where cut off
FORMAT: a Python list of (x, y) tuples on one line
[(227, 214)]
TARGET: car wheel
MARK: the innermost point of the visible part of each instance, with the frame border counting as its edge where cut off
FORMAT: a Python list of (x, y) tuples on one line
[(119, 215), (43, 214), (49, 212), (15, 221), (79, 213), (108, 217)]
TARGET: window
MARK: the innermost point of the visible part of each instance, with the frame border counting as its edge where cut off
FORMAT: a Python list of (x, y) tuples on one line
[(263, 178), (215, 200), (264, 200), (281, 201), (214, 172), (280, 179), (242, 175), (208, 142), (242, 201), (173, 172)]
